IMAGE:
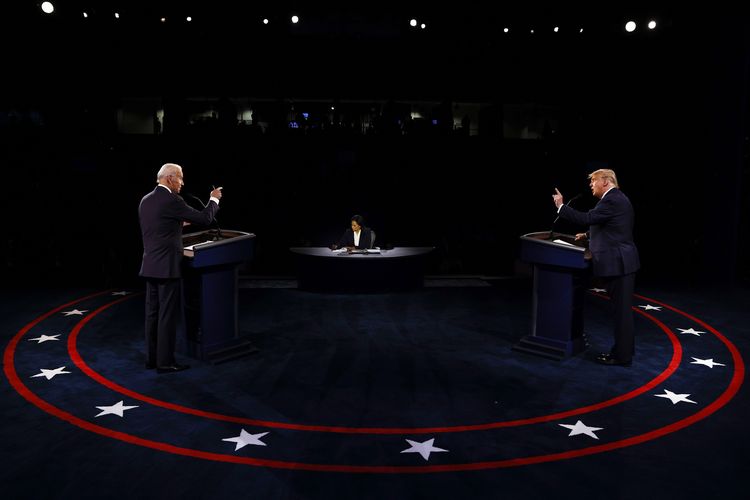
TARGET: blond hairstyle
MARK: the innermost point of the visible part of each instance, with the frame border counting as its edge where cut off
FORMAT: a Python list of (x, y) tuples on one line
[(605, 173)]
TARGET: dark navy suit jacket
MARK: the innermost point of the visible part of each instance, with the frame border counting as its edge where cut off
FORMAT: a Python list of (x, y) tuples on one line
[(611, 234), (365, 238), (161, 214)]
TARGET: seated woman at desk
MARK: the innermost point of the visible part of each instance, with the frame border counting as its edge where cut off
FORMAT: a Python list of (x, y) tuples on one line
[(358, 236)]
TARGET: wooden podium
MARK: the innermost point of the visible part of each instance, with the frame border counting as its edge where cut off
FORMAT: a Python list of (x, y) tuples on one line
[(211, 264), (559, 265)]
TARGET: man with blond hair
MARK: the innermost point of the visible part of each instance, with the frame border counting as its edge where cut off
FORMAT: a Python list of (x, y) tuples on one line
[(614, 255), (162, 213)]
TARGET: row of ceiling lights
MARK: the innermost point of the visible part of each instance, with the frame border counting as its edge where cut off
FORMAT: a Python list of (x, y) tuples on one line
[(49, 8), (630, 26)]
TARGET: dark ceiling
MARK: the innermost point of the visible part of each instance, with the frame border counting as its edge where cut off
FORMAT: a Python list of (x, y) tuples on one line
[(337, 49)]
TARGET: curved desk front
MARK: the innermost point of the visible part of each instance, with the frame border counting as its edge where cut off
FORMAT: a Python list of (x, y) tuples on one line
[(321, 269)]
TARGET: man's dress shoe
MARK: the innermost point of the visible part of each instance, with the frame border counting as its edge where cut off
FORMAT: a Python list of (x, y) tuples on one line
[(171, 368), (608, 359)]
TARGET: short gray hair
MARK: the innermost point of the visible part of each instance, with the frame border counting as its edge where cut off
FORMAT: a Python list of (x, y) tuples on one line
[(168, 169)]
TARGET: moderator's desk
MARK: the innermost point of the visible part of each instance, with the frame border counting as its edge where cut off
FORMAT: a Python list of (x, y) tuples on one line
[(321, 269)]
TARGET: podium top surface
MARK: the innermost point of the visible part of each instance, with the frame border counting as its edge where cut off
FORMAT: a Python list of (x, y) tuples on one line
[(555, 249), (211, 238), (557, 240), (370, 254)]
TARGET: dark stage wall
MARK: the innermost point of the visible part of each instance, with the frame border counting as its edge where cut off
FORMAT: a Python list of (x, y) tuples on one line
[(668, 112)]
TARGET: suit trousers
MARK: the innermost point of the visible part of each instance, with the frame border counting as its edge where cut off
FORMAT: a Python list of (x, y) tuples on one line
[(162, 315), (620, 290)]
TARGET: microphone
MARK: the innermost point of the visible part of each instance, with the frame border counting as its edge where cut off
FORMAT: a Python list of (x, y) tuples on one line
[(551, 231), (194, 198), (218, 229)]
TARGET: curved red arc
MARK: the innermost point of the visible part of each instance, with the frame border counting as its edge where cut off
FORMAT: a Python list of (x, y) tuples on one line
[(724, 398), (81, 364)]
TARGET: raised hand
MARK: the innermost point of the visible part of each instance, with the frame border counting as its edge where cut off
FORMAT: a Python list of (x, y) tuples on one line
[(557, 198)]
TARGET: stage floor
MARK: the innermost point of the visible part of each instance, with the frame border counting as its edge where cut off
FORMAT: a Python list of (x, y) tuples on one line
[(400, 395)]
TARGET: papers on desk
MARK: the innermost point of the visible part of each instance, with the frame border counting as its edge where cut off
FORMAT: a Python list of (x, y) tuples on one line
[(192, 247), (356, 251), (563, 242)]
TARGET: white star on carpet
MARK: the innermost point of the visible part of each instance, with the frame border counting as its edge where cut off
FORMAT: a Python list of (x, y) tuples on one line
[(598, 290), (45, 338), (423, 449), (74, 311), (581, 428), (245, 438), (50, 373), (116, 409), (649, 307), (121, 293), (675, 398), (707, 362), (690, 331)]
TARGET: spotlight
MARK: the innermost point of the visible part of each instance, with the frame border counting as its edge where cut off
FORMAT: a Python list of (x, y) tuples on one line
[(651, 24), (332, 108), (423, 25), (47, 7), (265, 21), (413, 23), (580, 31), (188, 18), (85, 15), (117, 15), (505, 30), (630, 26), (532, 32), (556, 29), (295, 19), (164, 19)]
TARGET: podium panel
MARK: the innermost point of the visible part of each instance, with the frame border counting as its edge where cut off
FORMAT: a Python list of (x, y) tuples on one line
[(560, 266), (210, 287)]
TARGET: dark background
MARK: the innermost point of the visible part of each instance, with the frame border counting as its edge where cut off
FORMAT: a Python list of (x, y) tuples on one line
[(667, 109)]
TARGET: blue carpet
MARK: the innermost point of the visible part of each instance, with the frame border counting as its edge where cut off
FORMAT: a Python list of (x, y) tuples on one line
[(438, 358)]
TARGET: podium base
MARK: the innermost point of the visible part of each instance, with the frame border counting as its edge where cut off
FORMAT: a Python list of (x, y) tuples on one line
[(551, 349), (222, 355), (230, 353)]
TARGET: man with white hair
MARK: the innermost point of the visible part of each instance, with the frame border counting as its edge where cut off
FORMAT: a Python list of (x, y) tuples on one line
[(162, 213), (614, 255)]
